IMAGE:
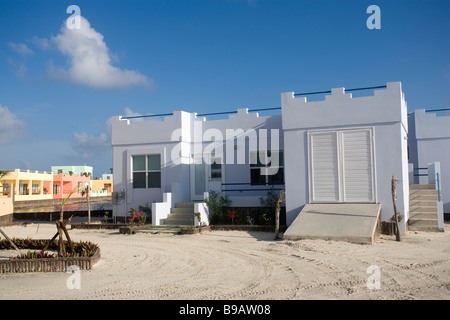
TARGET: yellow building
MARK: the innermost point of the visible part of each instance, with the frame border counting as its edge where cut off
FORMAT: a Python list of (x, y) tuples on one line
[(28, 185), (101, 187), (6, 206)]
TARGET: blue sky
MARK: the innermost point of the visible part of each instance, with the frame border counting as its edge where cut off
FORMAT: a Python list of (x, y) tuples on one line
[(198, 56)]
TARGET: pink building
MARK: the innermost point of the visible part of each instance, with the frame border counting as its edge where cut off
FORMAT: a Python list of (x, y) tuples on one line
[(63, 184)]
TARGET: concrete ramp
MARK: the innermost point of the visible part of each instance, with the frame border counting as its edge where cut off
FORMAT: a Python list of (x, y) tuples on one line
[(344, 222)]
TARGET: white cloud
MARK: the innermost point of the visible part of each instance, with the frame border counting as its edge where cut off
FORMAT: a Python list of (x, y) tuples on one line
[(20, 48), (19, 68), (10, 126), (42, 43), (89, 146), (90, 60), (130, 113), (92, 146)]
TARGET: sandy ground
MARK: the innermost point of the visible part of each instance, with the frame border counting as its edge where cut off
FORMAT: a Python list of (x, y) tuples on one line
[(240, 265)]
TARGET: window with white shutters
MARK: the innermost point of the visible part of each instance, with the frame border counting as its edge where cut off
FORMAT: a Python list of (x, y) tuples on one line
[(341, 166)]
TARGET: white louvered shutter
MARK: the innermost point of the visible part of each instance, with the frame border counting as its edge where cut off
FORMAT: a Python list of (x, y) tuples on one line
[(341, 166), (357, 169), (324, 167)]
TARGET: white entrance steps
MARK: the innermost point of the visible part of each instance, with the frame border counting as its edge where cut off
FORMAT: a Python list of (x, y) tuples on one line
[(343, 222), (181, 215), (423, 199)]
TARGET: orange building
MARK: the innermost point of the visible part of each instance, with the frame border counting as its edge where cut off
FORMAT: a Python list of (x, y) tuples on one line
[(63, 184)]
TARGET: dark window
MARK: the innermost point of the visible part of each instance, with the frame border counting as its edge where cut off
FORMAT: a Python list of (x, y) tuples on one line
[(147, 171), (262, 172)]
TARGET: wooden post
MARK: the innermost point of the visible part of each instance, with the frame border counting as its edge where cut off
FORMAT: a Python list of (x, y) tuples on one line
[(62, 247), (63, 227), (277, 215), (9, 240), (56, 235), (88, 194), (394, 200)]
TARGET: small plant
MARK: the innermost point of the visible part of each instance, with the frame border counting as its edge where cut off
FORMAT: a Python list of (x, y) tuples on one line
[(137, 217), (199, 218), (399, 218), (232, 214), (268, 206), (36, 255), (146, 210), (106, 216), (81, 248), (216, 203)]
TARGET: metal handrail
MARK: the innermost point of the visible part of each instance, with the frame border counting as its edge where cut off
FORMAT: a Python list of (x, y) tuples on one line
[(420, 174), (269, 186), (346, 90)]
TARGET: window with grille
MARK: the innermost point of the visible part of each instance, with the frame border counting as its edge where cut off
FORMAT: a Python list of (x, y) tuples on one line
[(265, 171), (147, 171)]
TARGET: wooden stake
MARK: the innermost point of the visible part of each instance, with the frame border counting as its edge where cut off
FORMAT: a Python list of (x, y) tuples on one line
[(56, 235), (277, 215), (62, 247), (394, 200), (63, 227), (9, 240)]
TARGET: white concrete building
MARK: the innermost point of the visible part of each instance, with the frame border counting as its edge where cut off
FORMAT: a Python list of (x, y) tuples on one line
[(185, 156), (345, 150), (339, 150), (429, 142)]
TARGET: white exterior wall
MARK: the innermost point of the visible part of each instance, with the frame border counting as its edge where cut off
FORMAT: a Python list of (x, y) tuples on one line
[(143, 138), (176, 138), (385, 112), (429, 142), (238, 172)]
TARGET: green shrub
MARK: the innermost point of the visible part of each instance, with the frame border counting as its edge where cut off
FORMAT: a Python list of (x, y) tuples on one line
[(217, 204)]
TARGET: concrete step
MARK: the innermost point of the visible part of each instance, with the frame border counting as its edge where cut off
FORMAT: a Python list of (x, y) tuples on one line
[(421, 186), (423, 222), (182, 210), (429, 206), (424, 228), (184, 205), (181, 215), (171, 221), (423, 196), (422, 191), (423, 208), (417, 210), (422, 204), (421, 215)]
